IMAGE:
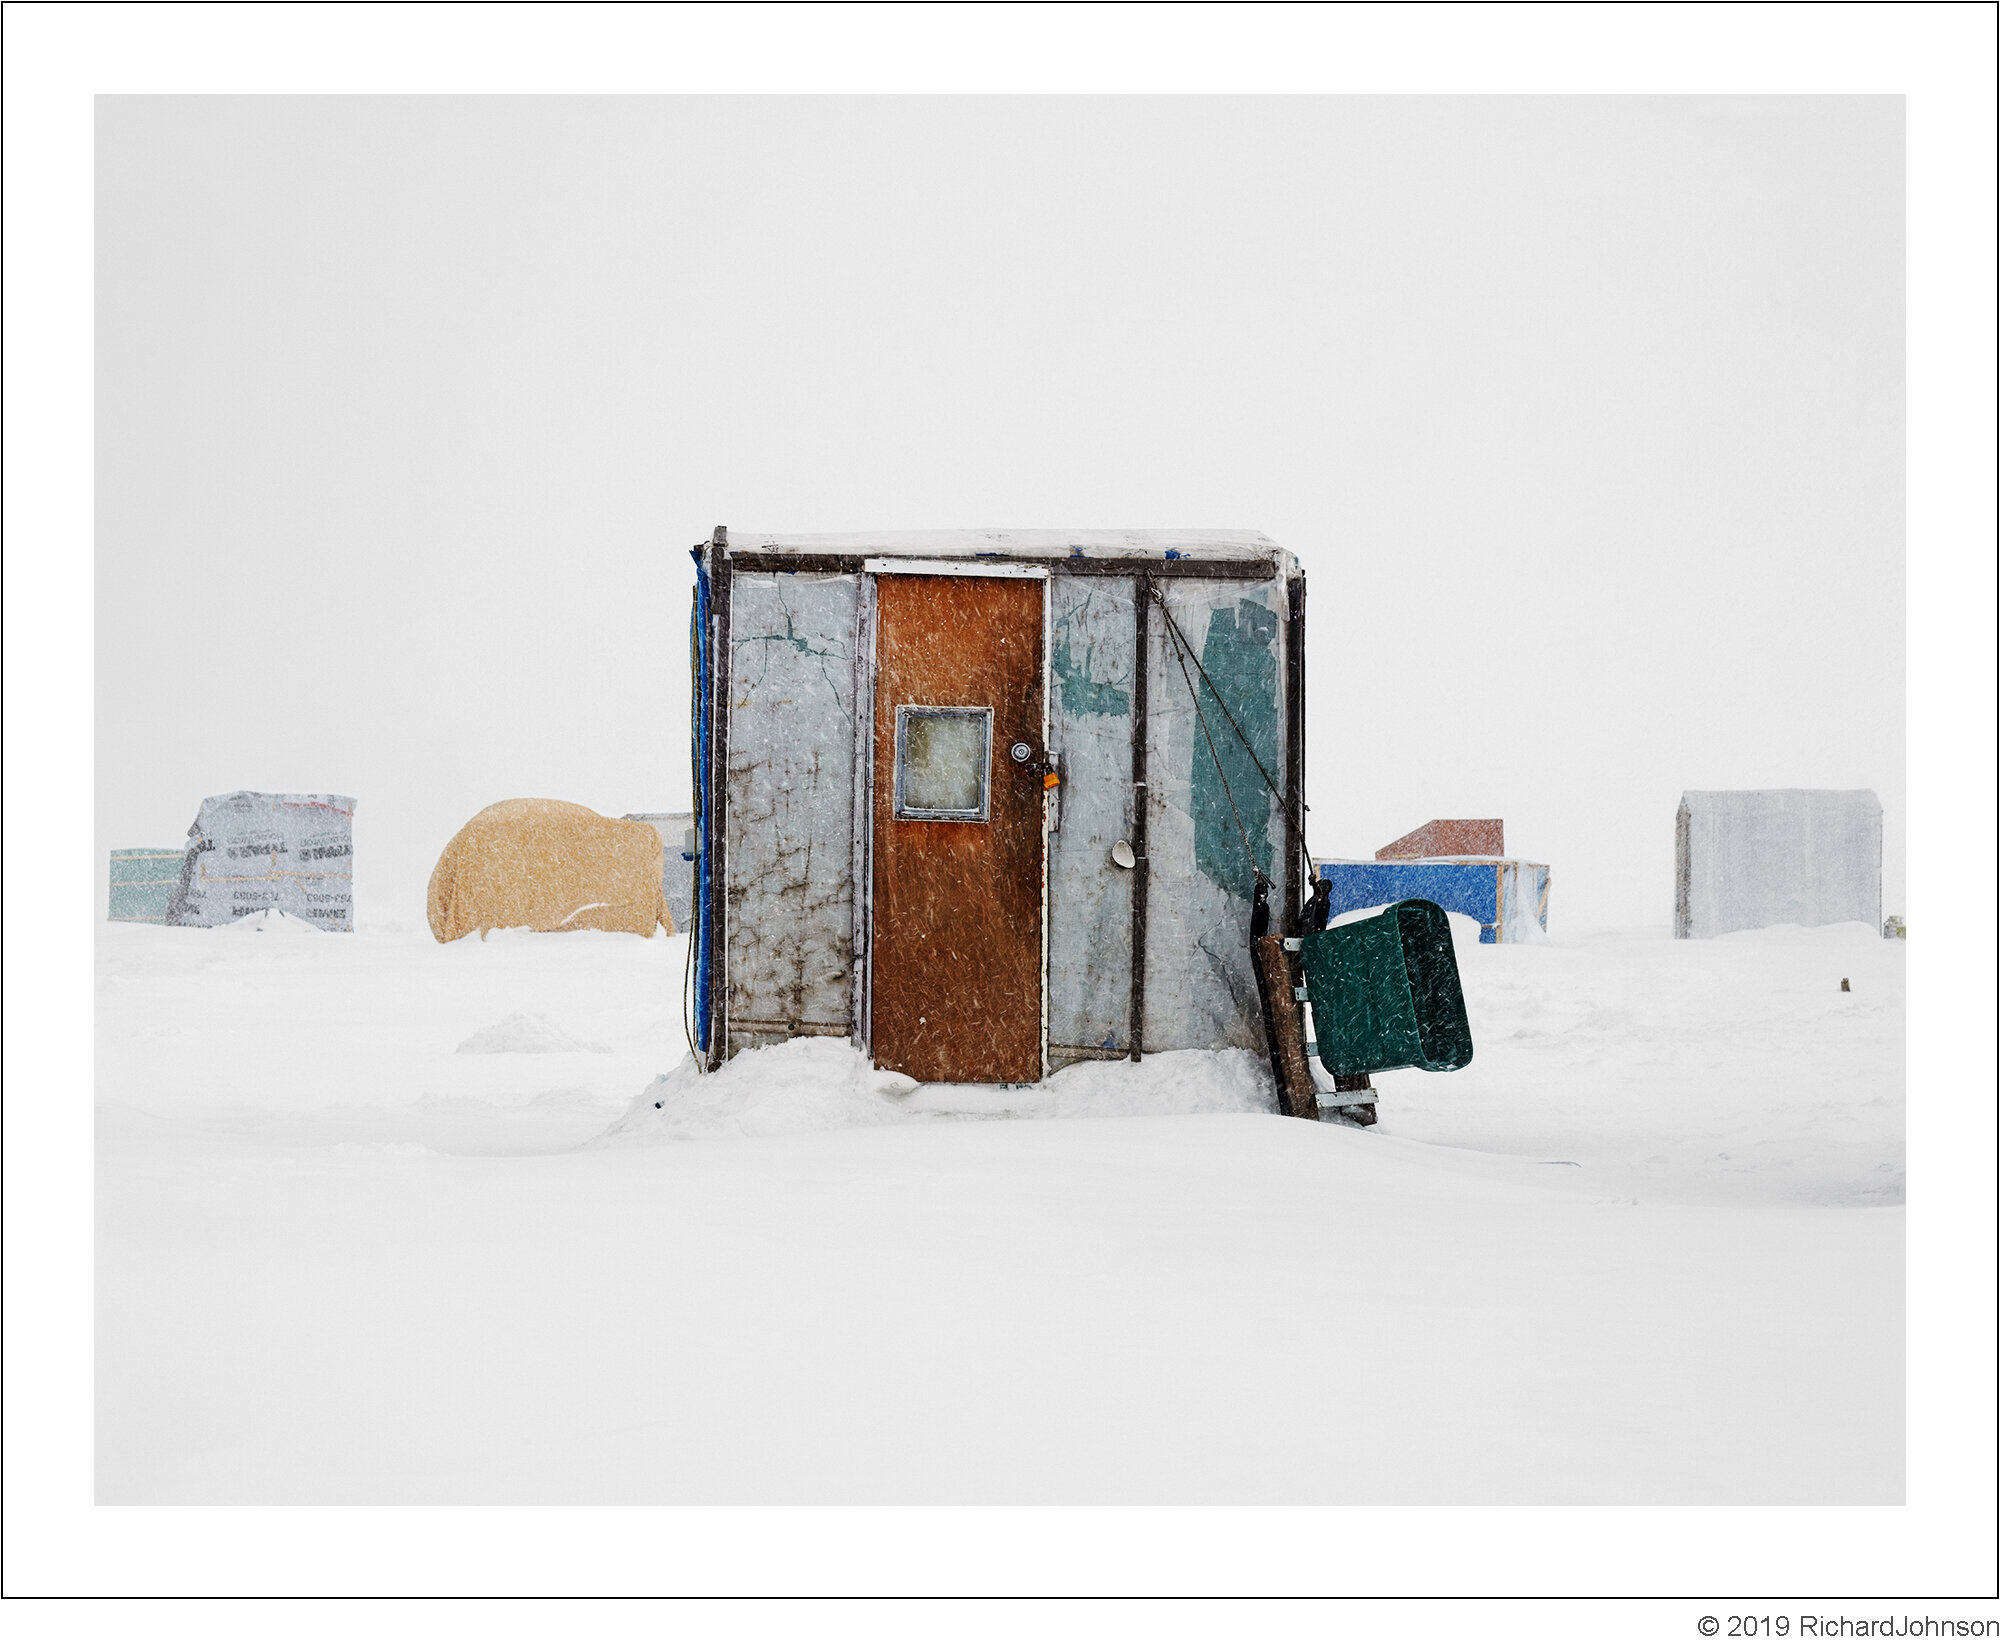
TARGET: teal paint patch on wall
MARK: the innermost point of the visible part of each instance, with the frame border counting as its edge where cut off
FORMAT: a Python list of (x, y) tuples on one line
[(1081, 692), (1241, 657)]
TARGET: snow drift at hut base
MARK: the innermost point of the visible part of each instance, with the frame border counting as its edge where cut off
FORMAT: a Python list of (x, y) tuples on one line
[(818, 1083)]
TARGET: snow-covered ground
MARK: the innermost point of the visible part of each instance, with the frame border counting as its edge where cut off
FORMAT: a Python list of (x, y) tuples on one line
[(381, 1220)]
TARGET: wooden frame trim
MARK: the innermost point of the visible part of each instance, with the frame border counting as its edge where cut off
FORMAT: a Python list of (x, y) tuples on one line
[(720, 595), (1295, 747), (910, 566), (1141, 803), (900, 810), (864, 818), (1251, 570), (1048, 723)]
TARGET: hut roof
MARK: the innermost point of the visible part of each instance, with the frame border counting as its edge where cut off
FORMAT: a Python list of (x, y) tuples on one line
[(1206, 543)]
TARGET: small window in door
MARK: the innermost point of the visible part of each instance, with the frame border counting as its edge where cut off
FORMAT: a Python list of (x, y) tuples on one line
[(943, 761)]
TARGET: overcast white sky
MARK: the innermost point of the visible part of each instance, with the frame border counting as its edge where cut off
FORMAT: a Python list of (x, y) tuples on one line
[(1585, 416)]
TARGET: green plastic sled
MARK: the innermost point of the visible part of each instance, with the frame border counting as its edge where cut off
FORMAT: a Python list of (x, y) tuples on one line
[(1385, 992)]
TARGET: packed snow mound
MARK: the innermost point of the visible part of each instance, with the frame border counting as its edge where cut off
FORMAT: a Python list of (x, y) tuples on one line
[(813, 1084), (273, 920), (1161, 1083), (1839, 934), (823, 1084), (528, 938), (527, 1032), (1224, 1082)]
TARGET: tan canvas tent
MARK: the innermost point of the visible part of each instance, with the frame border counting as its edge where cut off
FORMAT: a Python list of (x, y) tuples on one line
[(552, 866)]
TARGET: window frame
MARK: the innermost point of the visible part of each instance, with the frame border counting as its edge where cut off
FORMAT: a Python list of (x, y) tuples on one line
[(902, 812)]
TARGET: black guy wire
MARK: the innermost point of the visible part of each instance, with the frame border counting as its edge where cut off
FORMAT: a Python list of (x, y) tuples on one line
[(1245, 741), (1241, 833)]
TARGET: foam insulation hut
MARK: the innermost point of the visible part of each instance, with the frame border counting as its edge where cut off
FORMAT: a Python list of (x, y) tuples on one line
[(955, 800)]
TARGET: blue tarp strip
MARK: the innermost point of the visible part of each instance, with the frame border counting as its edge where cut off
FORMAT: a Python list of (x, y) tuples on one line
[(703, 929), (1464, 888)]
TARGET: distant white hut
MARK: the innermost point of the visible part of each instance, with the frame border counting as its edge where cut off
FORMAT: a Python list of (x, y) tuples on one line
[(676, 831), (1772, 857)]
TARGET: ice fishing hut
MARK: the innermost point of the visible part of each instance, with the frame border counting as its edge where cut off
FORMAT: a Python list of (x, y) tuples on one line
[(676, 831), (249, 854), (1745, 858), (993, 802), (1459, 863), (143, 879)]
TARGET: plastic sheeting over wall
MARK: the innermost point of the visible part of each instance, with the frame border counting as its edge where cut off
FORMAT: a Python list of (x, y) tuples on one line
[(1509, 898), (1090, 738), (1524, 903), (1774, 857), (1200, 990), (789, 951), (248, 853)]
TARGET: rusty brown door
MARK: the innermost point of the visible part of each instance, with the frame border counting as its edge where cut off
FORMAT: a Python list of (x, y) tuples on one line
[(956, 991)]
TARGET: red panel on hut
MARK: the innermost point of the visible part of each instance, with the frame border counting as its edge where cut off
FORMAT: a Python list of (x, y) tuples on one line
[(1449, 837), (959, 762)]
